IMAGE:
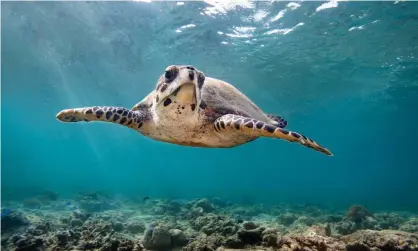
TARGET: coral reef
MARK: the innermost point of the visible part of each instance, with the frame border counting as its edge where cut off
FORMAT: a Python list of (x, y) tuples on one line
[(94, 221)]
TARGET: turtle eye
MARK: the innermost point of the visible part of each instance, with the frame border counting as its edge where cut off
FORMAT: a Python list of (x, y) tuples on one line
[(169, 74)]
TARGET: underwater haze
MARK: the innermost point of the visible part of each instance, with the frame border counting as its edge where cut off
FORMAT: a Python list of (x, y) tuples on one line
[(343, 73)]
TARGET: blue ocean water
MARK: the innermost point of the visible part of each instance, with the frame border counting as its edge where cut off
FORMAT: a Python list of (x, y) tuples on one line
[(342, 73)]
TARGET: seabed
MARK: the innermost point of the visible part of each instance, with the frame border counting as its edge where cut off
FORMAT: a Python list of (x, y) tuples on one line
[(96, 221)]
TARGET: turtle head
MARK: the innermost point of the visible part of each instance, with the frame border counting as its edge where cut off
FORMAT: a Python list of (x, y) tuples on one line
[(183, 81)]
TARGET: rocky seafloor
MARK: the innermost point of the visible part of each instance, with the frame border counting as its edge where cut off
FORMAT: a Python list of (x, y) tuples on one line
[(96, 222)]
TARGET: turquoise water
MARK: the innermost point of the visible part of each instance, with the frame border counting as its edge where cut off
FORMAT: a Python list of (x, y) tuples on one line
[(342, 73)]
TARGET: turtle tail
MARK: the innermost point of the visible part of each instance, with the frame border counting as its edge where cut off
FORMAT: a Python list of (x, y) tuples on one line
[(117, 115)]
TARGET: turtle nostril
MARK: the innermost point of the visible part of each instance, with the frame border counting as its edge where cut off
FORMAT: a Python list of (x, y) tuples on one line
[(190, 68)]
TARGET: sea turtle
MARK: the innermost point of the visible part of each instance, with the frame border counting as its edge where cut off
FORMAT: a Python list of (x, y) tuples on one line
[(190, 109)]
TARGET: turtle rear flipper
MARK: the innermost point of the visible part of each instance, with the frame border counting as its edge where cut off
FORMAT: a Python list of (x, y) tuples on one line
[(118, 115), (254, 127), (280, 122)]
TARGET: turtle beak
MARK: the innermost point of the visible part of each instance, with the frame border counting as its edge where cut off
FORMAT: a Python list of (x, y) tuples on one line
[(186, 93)]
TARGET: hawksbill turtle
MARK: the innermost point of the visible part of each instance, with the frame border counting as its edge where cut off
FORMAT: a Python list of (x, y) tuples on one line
[(190, 109)]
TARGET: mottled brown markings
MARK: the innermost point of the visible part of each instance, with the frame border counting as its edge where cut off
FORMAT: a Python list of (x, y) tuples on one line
[(249, 125), (164, 87), (159, 85), (99, 113), (200, 80), (202, 105), (284, 131), (296, 135), (193, 106), (269, 128), (157, 98), (214, 127), (108, 115)]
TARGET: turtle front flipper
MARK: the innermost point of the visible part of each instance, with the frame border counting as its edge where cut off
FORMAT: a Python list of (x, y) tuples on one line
[(118, 115), (254, 127)]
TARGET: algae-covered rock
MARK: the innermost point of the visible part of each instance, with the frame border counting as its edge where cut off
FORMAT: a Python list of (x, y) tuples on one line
[(205, 243), (248, 225), (269, 237), (311, 239), (205, 205), (212, 223), (12, 220), (135, 227), (389, 220), (287, 218), (385, 240), (178, 238), (234, 242), (27, 242), (304, 221), (156, 238), (117, 226), (345, 227), (76, 223), (252, 236), (410, 226), (358, 213)]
